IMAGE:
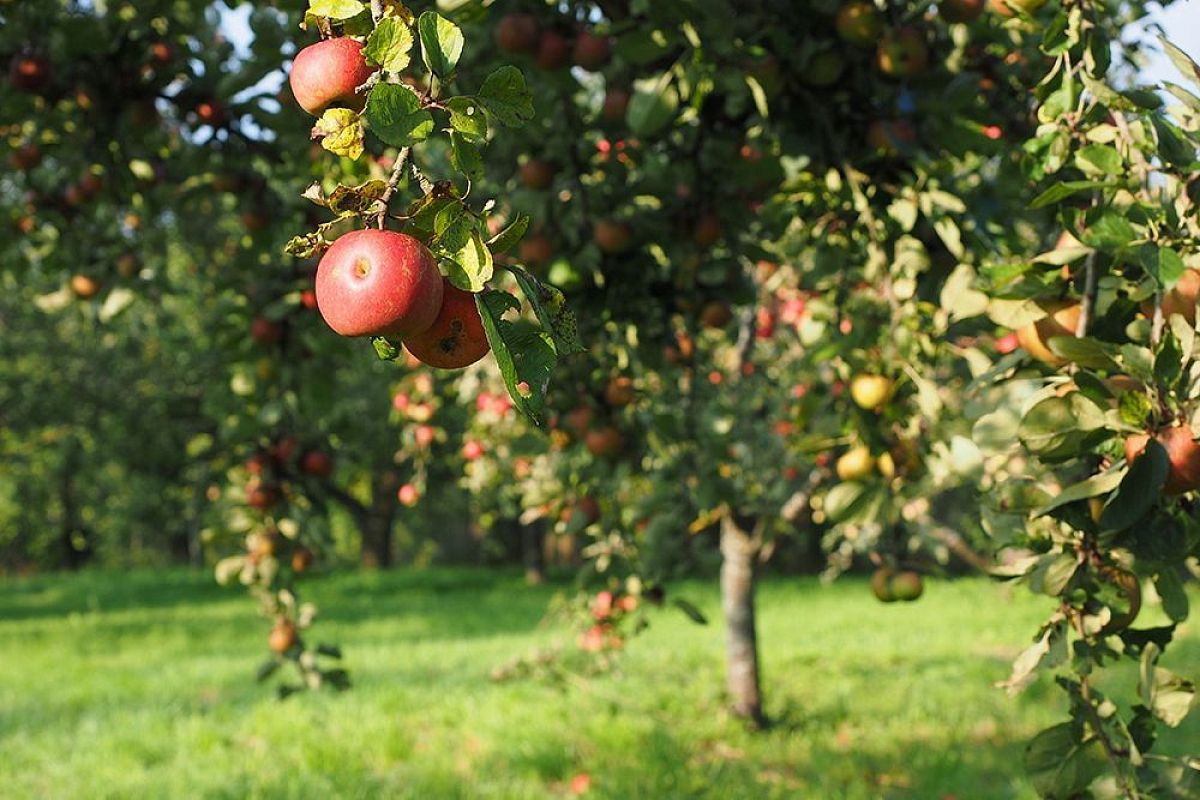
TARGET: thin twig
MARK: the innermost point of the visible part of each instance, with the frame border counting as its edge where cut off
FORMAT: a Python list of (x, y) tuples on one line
[(376, 10), (1089, 295), (393, 182)]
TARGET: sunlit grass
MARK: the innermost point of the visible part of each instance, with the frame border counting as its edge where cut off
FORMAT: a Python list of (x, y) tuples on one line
[(119, 685)]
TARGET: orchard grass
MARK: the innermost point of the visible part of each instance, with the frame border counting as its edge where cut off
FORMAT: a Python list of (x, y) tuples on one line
[(141, 685)]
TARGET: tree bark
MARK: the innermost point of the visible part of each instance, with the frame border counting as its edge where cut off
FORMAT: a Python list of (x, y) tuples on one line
[(375, 523), (739, 551), (532, 542)]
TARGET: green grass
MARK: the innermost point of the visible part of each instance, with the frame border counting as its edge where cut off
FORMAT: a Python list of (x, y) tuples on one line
[(139, 685)]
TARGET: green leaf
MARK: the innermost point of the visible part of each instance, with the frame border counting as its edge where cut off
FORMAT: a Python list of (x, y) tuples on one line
[(550, 307), (1099, 159), (1096, 485), (336, 9), (524, 355), (1060, 764), (390, 45), (467, 118), (1084, 351), (465, 156), (690, 610), (506, 97), (1183, 95), (1164, 265), (1170, 589), (1172, 145), (507, 239), (1186, 66), (441, 43), (1168, 364), (652, 106), (341, 132), (471, 265), (395, 115), (1139, 489), (1110, 232), (1173, 697), (1063, 190), (1134, 409), (385, 349), (453, 225)]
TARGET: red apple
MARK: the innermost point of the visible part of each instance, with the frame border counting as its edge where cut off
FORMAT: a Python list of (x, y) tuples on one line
[(308, 299), (285, 448), (210, 112), (619, 392), (1183, 453), (25, 157), (328, 73), (612, 237), (604, 442), (456, 338), (379, 283), (902, 53), (29, 73), (579, 419), (517, 33), (424, 435), (553, 50), (716, 314), (537, 174), (859, 23), (265, 331), (592, 52), (616, 103), (472, 450), (408, 495), (317, 463), (302, 559), (85, 287), (262, 495), (162, 52), (535, 249), (283, 637)]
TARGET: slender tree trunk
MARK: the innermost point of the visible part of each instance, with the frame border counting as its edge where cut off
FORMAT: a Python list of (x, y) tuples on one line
[(739, 552), (375, 523), (533, 537)]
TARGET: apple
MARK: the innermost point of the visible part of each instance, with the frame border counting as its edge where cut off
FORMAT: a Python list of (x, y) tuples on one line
[(537, 174), (517, 33), (408, 495), (579, 419), (328, 74), (619, 392), (855, 464), (859, 23), (302, 559), (716, 314), (162, 52), (553, 49), (379, 283), (616, 103), (604, 442), (316, 463), (1007, 343), (1009, 8), (890, 135), (424, 435), (960, 10), (265, 331), (1181, 299), (283, 637), (1061, 320), (262, 495), (25, 157), (29, 73), (211, 112), (902, 53), (285, 448), (824, 68), (85, 287), (612, 237), (602, 605), (535, 249), (308, 299), (871, 391), (456, 338), (472, 450), (707, 231), (881, 585), (1183, 455), (592, 52), (907, 586), (258, 463)]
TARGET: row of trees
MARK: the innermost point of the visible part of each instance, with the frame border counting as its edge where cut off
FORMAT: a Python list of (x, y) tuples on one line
[(791, 258)]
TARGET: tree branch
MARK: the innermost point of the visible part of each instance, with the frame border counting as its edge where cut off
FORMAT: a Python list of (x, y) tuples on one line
[(393, 182)]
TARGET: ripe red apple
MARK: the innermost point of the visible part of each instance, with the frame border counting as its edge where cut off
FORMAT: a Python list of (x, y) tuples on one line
[(25, 157), (258, 462), (553, 49), (328, 73), (283, 637), (592, 52), (1181, 299), (902, 53), (408, 495), (535, 249), (29, 73), (211, 112), (456, 338), (707, 231), (604, 442), (1061, 320), (579, 419), (162, 52), (308, 299), (612, 237), (716, 314), (424, 435), (1007, 343), (960, 10), (302, 559), (472, 450), (285, 448), (619, 392), (616, 103), (262, 495), (517, 33), (85, 287), (317, 463), (379, 283), (265, 331), (602, 605), (537, 174), (859, 23), (1183, 474)]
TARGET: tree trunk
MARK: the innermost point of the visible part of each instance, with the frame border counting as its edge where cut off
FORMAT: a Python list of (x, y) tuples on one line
[(532, 538), (739, 551), (375, 523)]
